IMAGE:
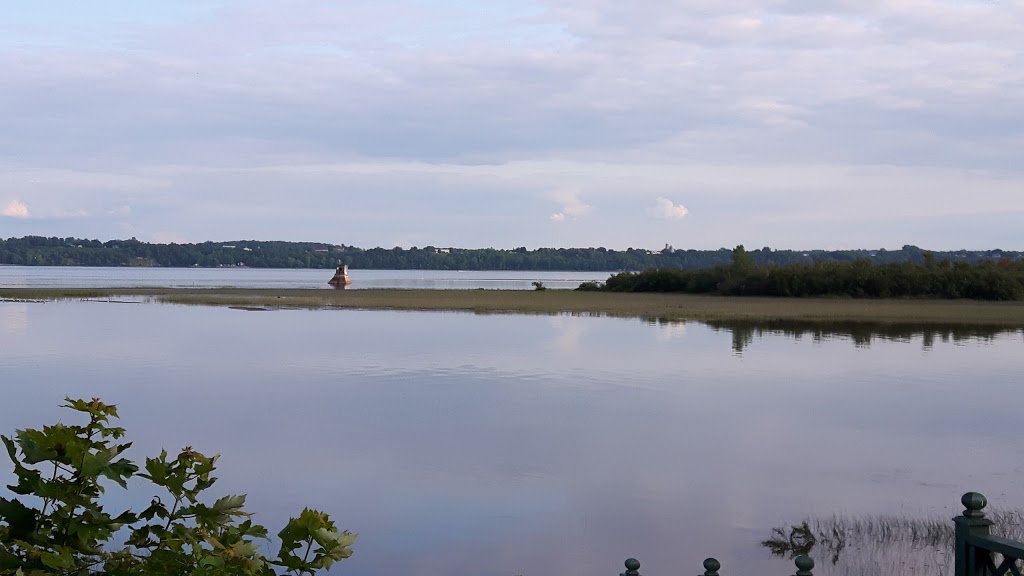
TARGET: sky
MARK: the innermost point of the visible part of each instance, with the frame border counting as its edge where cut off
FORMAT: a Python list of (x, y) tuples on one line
[(503, 123)]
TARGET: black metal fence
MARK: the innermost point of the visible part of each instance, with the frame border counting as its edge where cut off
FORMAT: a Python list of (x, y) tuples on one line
[(978, 552)]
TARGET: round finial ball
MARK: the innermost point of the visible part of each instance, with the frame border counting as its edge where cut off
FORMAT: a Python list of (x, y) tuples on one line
[(973, 501), (804, 563), (632, 564), (712, 565)]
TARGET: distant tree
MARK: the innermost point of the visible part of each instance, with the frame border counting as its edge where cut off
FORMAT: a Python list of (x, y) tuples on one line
[(741, 259)]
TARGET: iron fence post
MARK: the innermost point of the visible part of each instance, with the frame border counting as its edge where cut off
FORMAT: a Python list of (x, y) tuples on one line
[(971, 523)]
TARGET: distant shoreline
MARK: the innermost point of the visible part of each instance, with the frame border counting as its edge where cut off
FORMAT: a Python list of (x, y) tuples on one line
[(647, 305), (54, 251)]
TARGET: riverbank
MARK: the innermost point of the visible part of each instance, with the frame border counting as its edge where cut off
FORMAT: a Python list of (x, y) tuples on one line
[(646, 305)]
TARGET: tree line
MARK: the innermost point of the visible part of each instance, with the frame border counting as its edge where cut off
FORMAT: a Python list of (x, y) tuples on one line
[(54, 251), (931, 277)]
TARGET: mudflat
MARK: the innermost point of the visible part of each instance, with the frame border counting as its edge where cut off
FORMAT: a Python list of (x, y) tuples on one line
[(640, 305)]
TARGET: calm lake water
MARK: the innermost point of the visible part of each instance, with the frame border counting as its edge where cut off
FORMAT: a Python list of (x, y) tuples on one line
[(461, 444), (85, 277)]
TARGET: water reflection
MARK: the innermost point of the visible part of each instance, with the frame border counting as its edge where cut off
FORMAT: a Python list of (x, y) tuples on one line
[(13, 318), (881, 545), (671, 331), (568, 332), (492, 445), (862, 334)]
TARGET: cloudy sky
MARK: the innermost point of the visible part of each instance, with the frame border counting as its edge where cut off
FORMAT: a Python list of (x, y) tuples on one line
[(696, 123)]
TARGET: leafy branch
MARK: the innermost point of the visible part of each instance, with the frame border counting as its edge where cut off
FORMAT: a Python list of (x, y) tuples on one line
[(71, 532)]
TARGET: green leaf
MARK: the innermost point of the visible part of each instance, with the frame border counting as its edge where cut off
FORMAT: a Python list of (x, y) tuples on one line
[(96, 409), (246, 549), (156, 469), (229, 504), (20, 519), (325, 537), (12, 450), (120, 471), (212, 561), (57, 561), (347, 538), (29, 482), (156, 509), (292, 533)]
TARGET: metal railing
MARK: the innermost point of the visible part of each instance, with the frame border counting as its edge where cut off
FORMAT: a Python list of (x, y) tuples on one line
[(978, 552), (804, 565)]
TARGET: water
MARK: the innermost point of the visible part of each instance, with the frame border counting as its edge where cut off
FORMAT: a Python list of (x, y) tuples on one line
[(81, 277), (498, 445)]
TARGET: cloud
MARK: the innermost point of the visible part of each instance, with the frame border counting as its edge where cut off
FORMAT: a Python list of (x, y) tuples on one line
[(573, 206), (485, 106), (15, 209), (665, 209)]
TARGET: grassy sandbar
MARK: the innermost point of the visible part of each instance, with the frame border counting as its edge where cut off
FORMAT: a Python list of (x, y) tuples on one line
[(643, 305)]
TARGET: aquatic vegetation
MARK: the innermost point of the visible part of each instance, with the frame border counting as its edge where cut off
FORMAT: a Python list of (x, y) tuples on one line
[(883, 544)]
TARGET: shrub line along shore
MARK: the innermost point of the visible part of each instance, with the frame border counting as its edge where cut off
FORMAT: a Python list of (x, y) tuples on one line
[(632, 305)]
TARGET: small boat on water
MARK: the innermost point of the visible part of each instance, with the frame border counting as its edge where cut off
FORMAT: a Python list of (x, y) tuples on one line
[(341, 278)]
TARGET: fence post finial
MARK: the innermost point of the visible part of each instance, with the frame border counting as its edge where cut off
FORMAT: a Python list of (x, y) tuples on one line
[(711, 567), (973, 503), (632, 567), (971, 523), (804, 565)]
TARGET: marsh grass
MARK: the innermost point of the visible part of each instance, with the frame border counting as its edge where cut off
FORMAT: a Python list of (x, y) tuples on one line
[(628, 305), (40, 294), (881, 545)]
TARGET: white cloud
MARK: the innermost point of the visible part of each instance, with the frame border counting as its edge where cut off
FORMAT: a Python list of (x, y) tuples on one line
[(665, 209), (573, 206), (15, 209), (557, 217)]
